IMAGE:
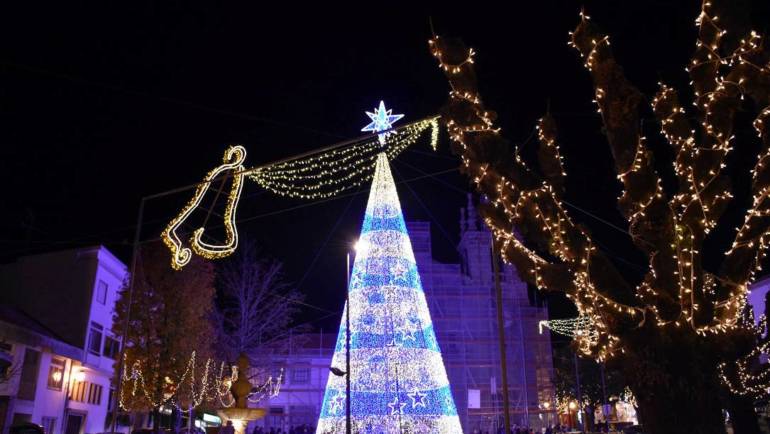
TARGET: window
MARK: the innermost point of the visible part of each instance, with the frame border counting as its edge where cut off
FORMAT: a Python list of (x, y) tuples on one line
[(300, 375), (49, 424), (95, 338), (29, 371), (110, 399), (101, 292), (111, 347), (94, 394), (56, 374), (78, 391), (275, 418)]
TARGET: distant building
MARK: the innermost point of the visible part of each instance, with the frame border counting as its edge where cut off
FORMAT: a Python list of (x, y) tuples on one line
[(305, 363), (461, 298), (57, 331)]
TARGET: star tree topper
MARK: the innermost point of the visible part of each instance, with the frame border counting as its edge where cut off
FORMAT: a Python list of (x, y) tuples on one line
[(382, 119)]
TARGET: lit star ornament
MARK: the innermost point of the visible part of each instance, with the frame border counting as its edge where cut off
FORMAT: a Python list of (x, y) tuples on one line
[(418, 398), (396, 407), (382, 120)]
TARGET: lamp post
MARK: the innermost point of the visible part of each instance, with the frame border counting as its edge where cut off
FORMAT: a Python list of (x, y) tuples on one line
[(347, 345), (336, 371)]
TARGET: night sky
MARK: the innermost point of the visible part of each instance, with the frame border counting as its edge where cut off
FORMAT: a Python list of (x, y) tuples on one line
[(102, 105)]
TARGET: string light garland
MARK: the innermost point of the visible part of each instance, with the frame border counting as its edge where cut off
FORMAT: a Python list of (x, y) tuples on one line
[(333, 172), (398, 382), (677, 292), (190, 391), (747, 377), (322, 175), (579, 328)]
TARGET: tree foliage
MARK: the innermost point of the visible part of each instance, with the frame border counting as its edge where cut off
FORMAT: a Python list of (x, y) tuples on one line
[(170, 316)]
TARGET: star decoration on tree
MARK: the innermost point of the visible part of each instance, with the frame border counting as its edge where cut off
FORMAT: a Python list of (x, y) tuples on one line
[(399, 271), (338, 403), (418, 398), (396, 407), (408, 333), (382, 119)]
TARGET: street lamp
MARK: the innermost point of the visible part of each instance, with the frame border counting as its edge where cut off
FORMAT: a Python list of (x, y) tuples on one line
[(359, 245)]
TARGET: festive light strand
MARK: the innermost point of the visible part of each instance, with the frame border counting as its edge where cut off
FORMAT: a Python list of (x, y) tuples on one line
[(322, 175), (190, 391), (180, 256)]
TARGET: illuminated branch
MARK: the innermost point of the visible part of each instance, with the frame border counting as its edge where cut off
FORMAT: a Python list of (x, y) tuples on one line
[(643, 203), (520, 199), (558, 254)]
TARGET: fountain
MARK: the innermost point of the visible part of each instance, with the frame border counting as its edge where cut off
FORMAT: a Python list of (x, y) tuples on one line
[(240, 414)]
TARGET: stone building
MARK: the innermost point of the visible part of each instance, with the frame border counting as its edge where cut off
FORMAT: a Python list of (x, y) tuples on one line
[(461, 298)]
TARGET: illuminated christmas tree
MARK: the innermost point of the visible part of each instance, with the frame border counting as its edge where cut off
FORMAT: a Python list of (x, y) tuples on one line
[(398, 382)]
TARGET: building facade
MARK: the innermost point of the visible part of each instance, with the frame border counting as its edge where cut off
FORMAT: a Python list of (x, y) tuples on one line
[(61, 347), (304, 368), (461, 299), (463, 307)]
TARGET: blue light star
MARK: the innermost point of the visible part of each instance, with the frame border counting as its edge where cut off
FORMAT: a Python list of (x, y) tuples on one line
[(418, 398), (394, 404), (382, 119)]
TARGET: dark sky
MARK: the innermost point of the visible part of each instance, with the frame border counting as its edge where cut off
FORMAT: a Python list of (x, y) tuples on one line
[(101, 105)]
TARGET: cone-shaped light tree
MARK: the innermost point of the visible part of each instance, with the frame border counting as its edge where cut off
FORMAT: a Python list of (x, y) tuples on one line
[(398, 383), (670, 331)]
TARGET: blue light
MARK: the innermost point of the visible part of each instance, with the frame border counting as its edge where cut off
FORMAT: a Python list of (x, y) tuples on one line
[(382, 119), (398, 382)]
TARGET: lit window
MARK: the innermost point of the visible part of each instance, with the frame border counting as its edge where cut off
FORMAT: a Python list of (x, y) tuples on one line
[(101, 292), (56, 375)]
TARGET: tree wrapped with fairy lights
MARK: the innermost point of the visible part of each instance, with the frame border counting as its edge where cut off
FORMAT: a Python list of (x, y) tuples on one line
[(670, 331)]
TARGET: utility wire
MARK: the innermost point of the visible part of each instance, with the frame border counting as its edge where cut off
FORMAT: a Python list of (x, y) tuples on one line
[(444, 232), (166, 99), (328, 237)]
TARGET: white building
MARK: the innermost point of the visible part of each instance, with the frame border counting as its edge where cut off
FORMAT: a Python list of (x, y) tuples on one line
[(59, 339)]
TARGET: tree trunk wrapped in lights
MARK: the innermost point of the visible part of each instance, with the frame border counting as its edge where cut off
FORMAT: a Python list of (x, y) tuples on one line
[(671, 330)]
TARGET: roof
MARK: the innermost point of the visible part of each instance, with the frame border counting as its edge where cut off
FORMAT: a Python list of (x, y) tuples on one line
[(18, 327), (18, 317)]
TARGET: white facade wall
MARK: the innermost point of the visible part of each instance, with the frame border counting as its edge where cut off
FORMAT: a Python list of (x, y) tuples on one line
[(105, 275)]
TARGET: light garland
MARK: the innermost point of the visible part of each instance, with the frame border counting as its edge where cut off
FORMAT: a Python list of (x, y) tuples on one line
[(398, 382), (211, 386), (580, 328), (746, 377), (332, 172), (319, 176)]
